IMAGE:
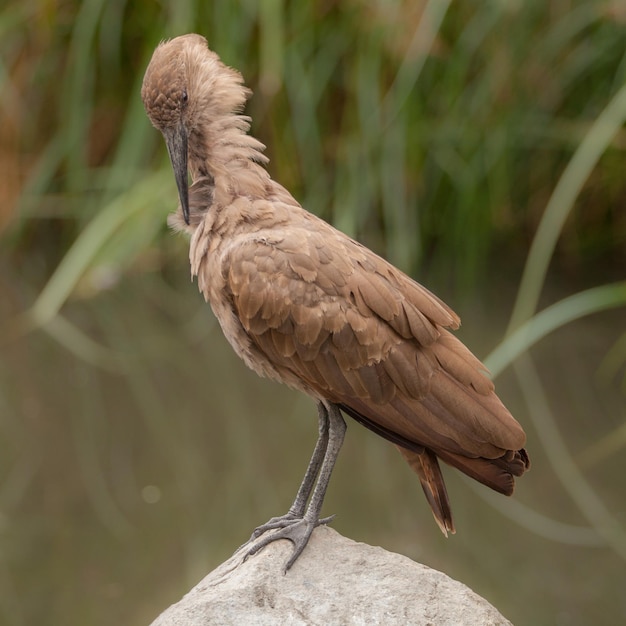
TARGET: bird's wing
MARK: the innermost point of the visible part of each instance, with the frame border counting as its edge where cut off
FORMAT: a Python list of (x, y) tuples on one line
[(362, 334)]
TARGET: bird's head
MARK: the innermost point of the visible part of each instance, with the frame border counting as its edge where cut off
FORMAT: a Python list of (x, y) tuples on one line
[(185, 88)]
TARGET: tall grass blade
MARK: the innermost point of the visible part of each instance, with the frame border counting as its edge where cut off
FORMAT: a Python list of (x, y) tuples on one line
[(564, 466), (567, 310), (595, 142), (146, 195)]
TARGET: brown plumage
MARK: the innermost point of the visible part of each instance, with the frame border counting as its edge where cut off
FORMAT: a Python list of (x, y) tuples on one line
[(302, 303)]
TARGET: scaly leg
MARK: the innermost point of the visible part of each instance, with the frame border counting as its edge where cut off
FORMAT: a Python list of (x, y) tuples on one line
[(298, 529), (296, 511)]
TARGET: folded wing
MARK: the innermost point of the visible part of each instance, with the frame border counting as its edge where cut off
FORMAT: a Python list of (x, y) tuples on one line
[(360, 333)]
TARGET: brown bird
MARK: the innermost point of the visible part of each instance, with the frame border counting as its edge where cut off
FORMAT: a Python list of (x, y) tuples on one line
[(303, 304)]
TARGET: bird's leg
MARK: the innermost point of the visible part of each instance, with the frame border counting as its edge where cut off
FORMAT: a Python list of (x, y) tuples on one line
[(298, 531), (296, 511)]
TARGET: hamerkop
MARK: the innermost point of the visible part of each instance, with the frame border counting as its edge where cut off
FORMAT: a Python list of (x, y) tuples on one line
[(302, 303)]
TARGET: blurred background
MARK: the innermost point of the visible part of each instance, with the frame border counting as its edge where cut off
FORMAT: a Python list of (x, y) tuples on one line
[(480, 146)]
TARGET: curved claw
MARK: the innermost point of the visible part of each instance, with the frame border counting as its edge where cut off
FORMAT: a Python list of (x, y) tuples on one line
[(297, 531), (276, 522), (282, 521)]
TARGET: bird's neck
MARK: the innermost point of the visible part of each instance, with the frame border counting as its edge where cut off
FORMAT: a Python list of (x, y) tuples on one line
[(222, 150)]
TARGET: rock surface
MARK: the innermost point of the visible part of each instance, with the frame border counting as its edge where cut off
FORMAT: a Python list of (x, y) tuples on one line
[(335, 581)]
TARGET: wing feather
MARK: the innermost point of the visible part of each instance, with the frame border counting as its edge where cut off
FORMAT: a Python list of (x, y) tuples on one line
[(347, 326)]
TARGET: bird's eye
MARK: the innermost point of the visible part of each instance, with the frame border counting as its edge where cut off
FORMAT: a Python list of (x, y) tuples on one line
[(185, 97)]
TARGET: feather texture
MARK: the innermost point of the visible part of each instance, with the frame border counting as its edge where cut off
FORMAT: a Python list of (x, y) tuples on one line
[(304, 304)]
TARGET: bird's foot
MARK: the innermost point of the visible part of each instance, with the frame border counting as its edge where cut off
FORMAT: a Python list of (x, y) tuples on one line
[(298, 530), (283, 521)]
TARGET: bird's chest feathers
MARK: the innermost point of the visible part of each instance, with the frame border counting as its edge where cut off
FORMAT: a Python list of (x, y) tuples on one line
[(210, 255)]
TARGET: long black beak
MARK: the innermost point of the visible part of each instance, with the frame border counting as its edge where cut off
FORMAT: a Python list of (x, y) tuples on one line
[(176, 141)]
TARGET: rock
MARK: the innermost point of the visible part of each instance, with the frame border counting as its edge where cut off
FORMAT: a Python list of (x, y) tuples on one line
[(335, 581)]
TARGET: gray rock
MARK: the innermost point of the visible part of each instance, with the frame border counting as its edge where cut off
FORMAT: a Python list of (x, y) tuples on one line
[(335, 581)]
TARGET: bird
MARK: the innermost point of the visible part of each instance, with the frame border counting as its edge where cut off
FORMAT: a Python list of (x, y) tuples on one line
[(305, 305)]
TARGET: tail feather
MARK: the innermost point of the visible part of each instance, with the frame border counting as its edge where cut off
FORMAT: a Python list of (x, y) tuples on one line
[(498, 474), (426, 466)]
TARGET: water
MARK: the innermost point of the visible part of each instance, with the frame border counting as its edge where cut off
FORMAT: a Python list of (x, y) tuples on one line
[(121, 488)]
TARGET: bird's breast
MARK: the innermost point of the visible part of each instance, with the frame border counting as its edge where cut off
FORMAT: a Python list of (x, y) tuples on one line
[(209, 254)]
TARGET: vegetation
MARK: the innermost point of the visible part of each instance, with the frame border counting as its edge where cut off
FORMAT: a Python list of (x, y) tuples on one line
[(464, 141)]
